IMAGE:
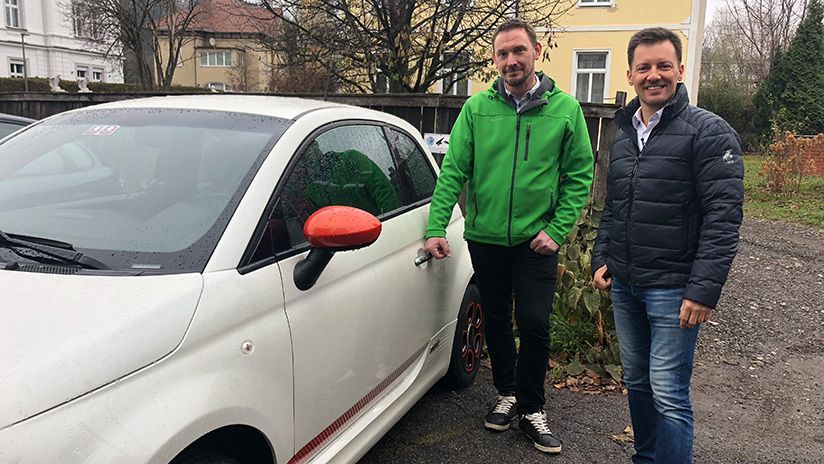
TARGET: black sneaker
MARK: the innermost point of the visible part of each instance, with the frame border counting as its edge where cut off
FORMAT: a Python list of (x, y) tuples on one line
[(536, 427), (502, 414)]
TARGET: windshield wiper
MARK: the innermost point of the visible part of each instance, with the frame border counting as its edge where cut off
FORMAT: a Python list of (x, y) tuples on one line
[(54, 249)]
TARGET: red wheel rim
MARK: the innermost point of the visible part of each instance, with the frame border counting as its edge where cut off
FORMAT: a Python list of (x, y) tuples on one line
[(472, 338)]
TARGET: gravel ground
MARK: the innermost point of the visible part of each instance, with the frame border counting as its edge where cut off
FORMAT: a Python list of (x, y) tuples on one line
[(758, 384)]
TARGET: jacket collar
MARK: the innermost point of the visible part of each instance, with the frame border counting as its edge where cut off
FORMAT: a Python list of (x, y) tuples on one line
[(537, 97), (677, 104)]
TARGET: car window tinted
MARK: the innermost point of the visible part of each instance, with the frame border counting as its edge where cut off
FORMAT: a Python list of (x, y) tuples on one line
[(346, 166), (7, 128), (137, 188), (415, 174)]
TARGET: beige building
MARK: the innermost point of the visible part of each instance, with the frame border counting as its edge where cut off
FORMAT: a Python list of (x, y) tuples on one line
[(224, 50)]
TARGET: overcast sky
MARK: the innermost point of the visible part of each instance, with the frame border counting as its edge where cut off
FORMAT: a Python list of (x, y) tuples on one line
[(712, 6)]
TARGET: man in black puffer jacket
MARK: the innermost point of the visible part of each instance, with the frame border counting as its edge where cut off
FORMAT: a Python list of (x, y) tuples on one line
[(668, 235)]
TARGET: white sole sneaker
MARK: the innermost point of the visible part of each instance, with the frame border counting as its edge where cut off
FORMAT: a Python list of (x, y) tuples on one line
[(497, 427), (548, 449)]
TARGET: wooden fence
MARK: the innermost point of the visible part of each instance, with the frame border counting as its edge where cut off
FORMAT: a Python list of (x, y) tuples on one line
[(428, 113)]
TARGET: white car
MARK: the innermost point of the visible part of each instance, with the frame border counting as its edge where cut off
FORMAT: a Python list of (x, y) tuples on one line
[(249, 287)]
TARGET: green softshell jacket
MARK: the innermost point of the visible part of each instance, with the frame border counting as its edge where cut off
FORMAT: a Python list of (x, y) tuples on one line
[(525, 172)]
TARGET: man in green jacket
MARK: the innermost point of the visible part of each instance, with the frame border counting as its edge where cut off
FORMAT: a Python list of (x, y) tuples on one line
[(523, 151)]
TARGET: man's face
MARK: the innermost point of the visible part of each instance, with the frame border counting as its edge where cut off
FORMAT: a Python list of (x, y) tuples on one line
[(515, 56), (654, 73)]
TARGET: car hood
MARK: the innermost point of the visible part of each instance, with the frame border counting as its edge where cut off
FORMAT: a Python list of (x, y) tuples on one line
[(64, 335)]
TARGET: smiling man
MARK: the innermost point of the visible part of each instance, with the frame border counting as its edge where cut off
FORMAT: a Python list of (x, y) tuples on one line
[(523, 151), (668, 235)]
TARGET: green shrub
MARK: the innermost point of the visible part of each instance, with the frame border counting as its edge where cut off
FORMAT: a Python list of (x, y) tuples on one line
[(39, 84), (582, 324)]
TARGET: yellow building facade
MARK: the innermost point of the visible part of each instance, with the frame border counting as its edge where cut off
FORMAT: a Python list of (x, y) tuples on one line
[(590, 57), (223, 47), (224, 63)]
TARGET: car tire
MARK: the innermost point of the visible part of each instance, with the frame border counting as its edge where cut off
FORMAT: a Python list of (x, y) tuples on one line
[(209, 458), (468, 342)]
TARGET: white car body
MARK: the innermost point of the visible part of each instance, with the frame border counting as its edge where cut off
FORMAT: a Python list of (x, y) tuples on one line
[(101, 369)]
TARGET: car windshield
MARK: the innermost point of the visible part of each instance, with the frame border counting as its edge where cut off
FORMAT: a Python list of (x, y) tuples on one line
[(139, 189)]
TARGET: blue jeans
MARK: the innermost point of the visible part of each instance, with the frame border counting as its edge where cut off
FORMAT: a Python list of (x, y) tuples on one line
[(657, 356)]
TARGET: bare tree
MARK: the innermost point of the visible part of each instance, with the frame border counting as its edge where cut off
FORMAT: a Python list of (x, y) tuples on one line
[(406, 45), (765, 26), (243, 77), (150, 31), (727, 56)]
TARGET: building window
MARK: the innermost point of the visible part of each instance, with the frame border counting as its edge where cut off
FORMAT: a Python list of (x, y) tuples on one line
[(97, 74), (81, 72), (590, 76), (221, 58), (456, 82), (596, 2), (381, 82), (85, 21), (219, 86), (16, 68), (14, 18)]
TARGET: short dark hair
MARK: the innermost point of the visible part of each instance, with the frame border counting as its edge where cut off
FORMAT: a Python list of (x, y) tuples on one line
[(516, 23), (651, 36)]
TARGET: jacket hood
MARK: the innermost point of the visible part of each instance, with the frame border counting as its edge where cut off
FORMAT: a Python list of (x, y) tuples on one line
[(677, 104)]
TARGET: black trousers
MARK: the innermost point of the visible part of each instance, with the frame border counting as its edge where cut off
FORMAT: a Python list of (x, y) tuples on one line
[(500, 272)]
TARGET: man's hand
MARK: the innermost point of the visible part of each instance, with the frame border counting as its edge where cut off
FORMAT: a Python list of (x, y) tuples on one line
[(601, 280), (693, 313), (543, 244), (438, 247)]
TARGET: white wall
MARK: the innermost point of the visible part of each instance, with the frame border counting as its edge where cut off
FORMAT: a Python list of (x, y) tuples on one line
[(51, 48)]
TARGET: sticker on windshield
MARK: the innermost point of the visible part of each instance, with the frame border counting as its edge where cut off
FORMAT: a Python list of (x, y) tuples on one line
[(102, 130)]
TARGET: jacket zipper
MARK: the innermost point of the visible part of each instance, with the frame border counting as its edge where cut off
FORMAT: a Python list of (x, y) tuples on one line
[(526, 147), (512, 184), (638, 153), (629, 210)]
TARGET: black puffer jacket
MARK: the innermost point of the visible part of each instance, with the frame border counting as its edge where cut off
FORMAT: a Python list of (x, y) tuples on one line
[(673, 209)]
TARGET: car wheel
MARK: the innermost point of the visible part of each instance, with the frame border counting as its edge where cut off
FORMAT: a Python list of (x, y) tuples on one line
[(468, 343)]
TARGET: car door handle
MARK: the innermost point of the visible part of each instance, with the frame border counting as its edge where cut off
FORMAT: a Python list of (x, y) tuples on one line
[(422, 259)]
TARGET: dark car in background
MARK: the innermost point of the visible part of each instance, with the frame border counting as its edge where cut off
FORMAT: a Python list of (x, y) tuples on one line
[(10, 123)]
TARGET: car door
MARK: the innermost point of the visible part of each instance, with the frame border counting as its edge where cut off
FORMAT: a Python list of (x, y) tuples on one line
[(371, 314)]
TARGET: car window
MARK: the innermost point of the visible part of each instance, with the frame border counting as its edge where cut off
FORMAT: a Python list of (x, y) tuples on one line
[(415, 174), (7, 128), (138, 188), (346, 166), (49, 164)]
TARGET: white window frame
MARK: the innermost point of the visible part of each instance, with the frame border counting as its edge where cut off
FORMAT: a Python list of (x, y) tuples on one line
[(607, 71), (380, 77), (220, 86), (17, 8), (19, 62), (454, 87), (595, 3), (217, 63), (100, 71), (81, 67)]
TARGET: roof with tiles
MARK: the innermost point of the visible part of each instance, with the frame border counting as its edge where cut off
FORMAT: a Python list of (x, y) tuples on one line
[(229, 17)]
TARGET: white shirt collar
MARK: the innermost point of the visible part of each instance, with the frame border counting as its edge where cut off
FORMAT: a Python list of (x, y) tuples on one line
[(527, 95), (638, 122), (642, 130)]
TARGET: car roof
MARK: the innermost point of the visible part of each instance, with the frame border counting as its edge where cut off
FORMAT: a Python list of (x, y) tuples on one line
[(10, 118), (279, 107)]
